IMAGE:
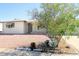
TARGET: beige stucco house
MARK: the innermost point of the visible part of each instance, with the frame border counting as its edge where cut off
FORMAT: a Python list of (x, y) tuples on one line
[(20, 27)]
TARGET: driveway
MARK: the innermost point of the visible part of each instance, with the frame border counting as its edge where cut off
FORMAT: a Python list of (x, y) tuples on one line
[(12, 41)]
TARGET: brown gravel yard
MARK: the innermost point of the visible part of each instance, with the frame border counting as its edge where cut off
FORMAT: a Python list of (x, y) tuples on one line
[(8, 42), (12, 41)]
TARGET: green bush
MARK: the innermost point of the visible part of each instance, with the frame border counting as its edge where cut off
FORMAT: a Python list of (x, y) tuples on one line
[(54, 43)]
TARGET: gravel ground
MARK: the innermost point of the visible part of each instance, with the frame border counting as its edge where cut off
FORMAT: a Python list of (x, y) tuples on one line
[(13, 41), (15, 52), (24, 53)]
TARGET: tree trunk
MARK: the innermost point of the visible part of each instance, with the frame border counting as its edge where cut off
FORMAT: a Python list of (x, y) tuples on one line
[(58, 38)]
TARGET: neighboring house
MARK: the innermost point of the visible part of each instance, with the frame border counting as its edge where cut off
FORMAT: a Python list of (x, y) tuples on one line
[(20, 27)]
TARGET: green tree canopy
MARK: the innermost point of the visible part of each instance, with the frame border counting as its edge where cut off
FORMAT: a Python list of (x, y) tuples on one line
[(58, 18)]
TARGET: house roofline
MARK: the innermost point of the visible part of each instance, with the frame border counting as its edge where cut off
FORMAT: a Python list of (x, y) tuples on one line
[(13, 21), (16, 21)]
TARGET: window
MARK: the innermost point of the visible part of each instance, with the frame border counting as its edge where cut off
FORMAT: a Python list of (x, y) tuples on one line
[(10, 25), (38, 27)]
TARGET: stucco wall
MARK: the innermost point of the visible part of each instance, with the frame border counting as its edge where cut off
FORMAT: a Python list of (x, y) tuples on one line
[(19, 28), (35, 29), (25, 27)]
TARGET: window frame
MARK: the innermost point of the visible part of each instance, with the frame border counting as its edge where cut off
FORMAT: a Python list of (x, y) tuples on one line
[(10, 25)]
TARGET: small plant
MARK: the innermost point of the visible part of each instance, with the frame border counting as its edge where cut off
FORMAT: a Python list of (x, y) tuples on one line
[(54, 43), (32, 46), (48, 45)]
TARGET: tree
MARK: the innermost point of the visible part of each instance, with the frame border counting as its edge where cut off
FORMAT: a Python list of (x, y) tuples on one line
[(33, 13), (58, 19)]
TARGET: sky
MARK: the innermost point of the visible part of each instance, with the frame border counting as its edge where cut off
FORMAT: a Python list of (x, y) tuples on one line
[(9, 11)]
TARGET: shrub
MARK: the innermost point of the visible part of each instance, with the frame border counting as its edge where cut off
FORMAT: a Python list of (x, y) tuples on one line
[(32, 46), (53, 43)]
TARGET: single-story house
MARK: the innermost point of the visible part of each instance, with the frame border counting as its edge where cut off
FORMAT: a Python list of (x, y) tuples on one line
[(20, 27)]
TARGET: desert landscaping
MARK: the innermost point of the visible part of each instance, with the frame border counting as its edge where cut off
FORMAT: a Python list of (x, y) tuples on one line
[(8, 43), (50, 28), (13, 41)]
